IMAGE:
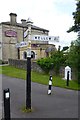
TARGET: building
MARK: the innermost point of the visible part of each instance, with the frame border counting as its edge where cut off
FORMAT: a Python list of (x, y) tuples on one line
[(12, 33)]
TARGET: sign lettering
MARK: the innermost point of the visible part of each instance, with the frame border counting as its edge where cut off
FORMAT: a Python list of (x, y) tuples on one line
[(45, 38)]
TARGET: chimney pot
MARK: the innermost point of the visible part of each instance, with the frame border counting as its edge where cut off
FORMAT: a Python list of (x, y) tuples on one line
[(13, 18), (23, 21)]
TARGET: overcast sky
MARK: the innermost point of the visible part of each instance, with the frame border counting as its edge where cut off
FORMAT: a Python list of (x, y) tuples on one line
[(54, 15)]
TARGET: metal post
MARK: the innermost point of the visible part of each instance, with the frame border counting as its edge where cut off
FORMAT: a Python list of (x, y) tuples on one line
[(28, 84), (68, 78), (50, 84), (28, 80), (6, 98)]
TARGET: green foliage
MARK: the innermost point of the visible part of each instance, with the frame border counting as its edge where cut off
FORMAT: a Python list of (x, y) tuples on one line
[(56, 60), (76, 17), (75, 54), (73, 58), (45, 63), (78, 67)]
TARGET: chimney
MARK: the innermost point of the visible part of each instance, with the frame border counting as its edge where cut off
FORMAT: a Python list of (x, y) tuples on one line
[(23, 21), (13, 18)]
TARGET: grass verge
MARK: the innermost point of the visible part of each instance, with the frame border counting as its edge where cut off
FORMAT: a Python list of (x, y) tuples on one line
[(38, 77)]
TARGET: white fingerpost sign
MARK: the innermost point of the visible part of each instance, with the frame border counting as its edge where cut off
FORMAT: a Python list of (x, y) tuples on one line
[(45, 38)]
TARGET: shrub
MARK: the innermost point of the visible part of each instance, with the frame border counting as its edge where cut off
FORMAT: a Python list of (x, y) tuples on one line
[(45, 64)]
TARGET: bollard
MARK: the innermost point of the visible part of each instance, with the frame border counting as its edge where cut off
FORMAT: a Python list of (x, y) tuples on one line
[(6, 98), (50, 84), (68, 78)]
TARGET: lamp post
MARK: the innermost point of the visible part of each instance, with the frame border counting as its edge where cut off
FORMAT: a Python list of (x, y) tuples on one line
[(28, 77)]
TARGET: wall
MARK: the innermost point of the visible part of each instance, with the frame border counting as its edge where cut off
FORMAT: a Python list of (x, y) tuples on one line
[(23, 65), (8, 47), (34, 66)]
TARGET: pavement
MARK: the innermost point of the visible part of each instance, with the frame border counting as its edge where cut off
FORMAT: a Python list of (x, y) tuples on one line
[(62, 103)]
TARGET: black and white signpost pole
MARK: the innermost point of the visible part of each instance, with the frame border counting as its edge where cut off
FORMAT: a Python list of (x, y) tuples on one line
[(28, 81), (68, 78), (50, 85), (28, 77)]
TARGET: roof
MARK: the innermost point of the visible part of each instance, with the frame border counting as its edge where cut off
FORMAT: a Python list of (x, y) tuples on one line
[(25, 26)]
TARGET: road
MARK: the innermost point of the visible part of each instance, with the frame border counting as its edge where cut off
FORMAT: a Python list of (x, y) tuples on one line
[(62, 103)]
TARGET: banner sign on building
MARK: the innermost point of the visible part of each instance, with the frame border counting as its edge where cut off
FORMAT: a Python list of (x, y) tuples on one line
[(45, 38), (10, 33)]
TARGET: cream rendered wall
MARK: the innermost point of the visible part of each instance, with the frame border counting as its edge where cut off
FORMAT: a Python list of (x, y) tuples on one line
[(8, 48)]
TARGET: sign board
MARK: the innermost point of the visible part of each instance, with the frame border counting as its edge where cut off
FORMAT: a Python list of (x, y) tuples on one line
[(45, 38), (22, 44), (10, 33)]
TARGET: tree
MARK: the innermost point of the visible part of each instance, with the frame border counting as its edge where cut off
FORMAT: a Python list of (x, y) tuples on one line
[(45, 64), (58, 60), (72, 56), (55, 61), (78, 58), (76, 17), (76, 28)]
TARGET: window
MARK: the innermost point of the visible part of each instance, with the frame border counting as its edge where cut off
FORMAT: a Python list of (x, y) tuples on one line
[(32, 54)]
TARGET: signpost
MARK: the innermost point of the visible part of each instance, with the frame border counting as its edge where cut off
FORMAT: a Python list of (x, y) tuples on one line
[(28, 80), (28, 45), (28, 75)]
